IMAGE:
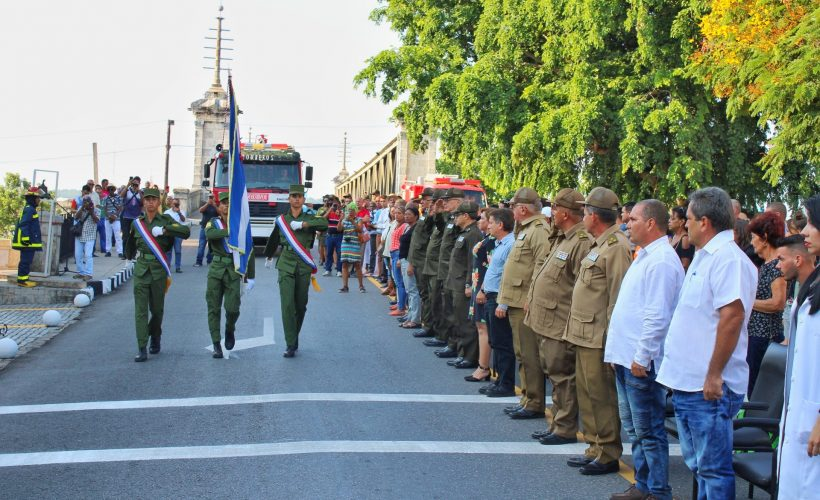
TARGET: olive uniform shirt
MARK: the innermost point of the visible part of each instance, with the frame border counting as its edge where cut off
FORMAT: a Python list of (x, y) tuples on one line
[(528, 253), (418, 242), (596, 290), (289, 261), (434, 246), (448, 239), (460, 274), (550, 294), (173, 229), (216, 241)]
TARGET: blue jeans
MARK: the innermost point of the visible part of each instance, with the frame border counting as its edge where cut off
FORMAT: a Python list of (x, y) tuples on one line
[(177, 251), (642, 407), (413, 297), (101, 235), (705, 433), (333, 243), (200, 251), (401, 295)]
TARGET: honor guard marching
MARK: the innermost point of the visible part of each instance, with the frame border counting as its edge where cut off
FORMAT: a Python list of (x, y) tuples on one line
[(294, 232), (153, 235), (27, 237), (224, 282)]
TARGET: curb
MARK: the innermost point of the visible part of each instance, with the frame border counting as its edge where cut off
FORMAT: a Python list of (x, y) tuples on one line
[(109, 284)]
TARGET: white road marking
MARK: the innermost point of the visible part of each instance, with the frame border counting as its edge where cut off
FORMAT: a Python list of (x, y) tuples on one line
[(292, 448), (242, 344), (255, 399)]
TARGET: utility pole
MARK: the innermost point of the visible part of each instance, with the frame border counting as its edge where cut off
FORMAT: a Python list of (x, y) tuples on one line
[(167, 153), (96, 165)]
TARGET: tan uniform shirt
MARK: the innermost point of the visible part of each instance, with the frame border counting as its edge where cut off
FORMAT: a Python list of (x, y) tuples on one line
[(550, 294), (596, 290), (528, 252)]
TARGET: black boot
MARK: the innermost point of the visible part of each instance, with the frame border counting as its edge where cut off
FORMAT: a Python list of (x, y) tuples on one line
[(154, 345), (142, 356), (230, 340), (290, 352), (218, 350)]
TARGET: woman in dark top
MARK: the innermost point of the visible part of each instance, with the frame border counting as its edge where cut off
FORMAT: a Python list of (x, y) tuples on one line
[(411, 216), (481, 260), (680, 238), (766, 322)]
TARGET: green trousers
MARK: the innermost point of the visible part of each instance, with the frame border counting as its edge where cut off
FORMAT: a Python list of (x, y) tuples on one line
[(438, 322), (423, 285), (464, 330), (448, 318), (149, 296), (293, 296), (222, 289)]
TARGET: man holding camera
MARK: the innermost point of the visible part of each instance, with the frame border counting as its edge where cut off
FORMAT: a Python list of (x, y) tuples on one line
[(132, 206)]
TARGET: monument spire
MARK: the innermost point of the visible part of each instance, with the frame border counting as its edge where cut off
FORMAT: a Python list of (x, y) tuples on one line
[(218, 58)]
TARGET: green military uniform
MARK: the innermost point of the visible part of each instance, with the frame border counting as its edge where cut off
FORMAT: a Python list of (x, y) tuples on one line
[(224, 283), (528, 253), (448, 240), (431, 274), (549, 302), (459, 279), (417, 256), (593, 299), (150, 276), (294, 274)]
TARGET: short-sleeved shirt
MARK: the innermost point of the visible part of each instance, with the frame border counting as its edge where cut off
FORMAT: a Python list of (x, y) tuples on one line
[(719, 274), (762, 324), (495, 269), (209, 213)]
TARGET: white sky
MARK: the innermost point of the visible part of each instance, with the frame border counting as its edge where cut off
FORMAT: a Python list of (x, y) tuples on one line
[(113, 72)]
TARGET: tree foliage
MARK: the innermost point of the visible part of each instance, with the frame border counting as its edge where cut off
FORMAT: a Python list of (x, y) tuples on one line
[(555, 93), (11, 202)]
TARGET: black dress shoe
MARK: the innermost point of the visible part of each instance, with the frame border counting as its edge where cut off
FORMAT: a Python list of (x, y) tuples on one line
[(464, 364), (510, 409), (554, 439), (420, 334), (484, 388), (218, 351), (446, 353), (289, 353), (581, 461), (524, 414), (230, 340), (540, 434), (154, 346), (501, 392), (455, 361), (434, 343), (142, 356), (596, 468)]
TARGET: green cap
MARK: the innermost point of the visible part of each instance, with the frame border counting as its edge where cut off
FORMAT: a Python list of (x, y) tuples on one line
[(428, 191), (147, 192), (603, 198), (224, 196), (467, 207), (437, 194), (525, 195), (297, 189), (453, 193)]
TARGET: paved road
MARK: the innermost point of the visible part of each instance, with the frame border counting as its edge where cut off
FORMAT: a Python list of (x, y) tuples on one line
[(363, 411)]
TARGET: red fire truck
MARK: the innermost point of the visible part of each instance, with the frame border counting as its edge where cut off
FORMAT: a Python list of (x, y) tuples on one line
[(471, 187), (270, 169)]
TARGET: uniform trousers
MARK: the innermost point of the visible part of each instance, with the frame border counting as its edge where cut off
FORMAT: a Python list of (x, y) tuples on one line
[(448, 318), (224, 289), (501, 342), (436, 308), (527, 346), (598, 404), (423, 286), (24, 267), (464, 330), (558, 363), (149, 296), (293, 297)]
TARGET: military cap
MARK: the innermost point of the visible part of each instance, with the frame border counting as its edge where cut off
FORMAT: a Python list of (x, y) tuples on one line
[(453, 193), (568, 198), (525, 195), (224, 196), (467, 207), (603, 198), (438, 194), (428, 191), (147, 192), (32, 191), (297, 189)]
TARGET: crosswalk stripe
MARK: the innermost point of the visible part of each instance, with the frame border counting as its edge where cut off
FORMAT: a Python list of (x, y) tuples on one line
[(254, 399), (292, 448)]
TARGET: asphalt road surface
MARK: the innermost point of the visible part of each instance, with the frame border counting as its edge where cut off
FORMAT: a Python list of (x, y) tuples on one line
[(363, 411)]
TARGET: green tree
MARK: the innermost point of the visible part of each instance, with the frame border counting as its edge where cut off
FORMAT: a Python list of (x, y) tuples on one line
[(11, 202)]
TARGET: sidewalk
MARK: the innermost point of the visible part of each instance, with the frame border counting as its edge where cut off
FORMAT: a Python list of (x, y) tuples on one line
[(24, 324)]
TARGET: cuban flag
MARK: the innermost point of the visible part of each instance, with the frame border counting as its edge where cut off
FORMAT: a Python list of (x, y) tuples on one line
[(239, 214)]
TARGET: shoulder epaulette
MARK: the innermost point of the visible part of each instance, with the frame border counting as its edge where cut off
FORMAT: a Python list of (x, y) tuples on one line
[(612, 240), (582, 235)]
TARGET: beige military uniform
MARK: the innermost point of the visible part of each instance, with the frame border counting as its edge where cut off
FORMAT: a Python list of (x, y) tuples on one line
[(593, 299), (549, 302), (528, 252)]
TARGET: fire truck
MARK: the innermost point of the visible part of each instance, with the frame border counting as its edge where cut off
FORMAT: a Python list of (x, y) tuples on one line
[(471, 187), (270, 169)]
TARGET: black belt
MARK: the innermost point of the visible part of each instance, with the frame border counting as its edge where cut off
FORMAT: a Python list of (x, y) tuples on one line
[(491, 294)]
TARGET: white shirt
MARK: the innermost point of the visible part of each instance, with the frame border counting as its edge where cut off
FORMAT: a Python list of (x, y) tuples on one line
[(381, 219), (175, 215), (719, 274), (646, 301)]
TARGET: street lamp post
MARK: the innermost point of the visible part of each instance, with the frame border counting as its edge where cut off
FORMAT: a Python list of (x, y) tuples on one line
[(167, 153)]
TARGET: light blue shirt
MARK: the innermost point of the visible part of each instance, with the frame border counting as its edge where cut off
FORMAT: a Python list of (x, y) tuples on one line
[(492, 279)]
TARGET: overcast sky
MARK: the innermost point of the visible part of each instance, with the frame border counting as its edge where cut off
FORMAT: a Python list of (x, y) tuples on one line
[(113, 72)]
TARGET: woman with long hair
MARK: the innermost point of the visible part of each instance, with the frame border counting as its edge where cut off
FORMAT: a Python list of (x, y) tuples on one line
[(680, 238)]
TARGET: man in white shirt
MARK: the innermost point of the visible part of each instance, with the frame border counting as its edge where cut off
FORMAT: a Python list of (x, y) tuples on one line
[(634, 347), (704, 360)]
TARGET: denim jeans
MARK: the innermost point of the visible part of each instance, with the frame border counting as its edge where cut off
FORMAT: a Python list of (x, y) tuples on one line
[(203, 243), (101, 236), (83, 251), (401, 295), (177, 251), (501, 342), (333, 243), (642, 407), (413, 297), (705, 430)]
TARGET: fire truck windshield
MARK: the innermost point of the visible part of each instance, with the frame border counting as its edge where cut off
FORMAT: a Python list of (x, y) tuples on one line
[(476, 197), (274, 176)]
